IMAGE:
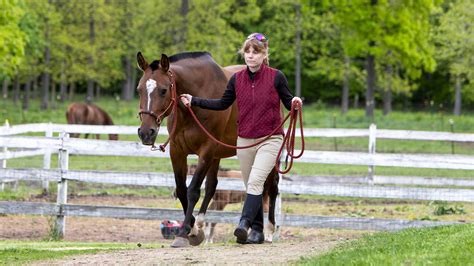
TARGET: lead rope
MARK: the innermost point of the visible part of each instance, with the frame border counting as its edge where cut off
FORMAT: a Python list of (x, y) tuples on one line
[(288, 139)]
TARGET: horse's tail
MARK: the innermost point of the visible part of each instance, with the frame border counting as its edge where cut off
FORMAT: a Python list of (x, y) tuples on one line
[(70, 117), (108, 121)]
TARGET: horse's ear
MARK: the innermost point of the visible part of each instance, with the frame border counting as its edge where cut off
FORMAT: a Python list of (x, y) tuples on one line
[(142, 63), (164, 63)]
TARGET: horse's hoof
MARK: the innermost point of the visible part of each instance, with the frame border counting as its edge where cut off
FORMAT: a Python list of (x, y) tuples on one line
[(195, 240), (269, 232), (180, 242)]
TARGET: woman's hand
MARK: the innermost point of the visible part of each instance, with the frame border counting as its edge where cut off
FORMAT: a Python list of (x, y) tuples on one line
[(186, 99), (297, 101)]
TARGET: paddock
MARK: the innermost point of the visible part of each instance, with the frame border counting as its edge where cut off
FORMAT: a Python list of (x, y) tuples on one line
[(369, 186)]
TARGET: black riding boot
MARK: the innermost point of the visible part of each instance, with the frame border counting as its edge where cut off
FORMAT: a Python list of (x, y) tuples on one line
[(252, 206), (256, 235)]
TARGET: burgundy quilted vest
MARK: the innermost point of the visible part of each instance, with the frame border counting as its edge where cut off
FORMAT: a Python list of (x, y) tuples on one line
[(258, 102)]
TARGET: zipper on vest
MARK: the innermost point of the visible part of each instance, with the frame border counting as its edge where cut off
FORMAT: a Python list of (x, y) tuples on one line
[(253, 102)]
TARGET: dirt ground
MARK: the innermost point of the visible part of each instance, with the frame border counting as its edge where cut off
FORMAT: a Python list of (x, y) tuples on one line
[(293, 244)]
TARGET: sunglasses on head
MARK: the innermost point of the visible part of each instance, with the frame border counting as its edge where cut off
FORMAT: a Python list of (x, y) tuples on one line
[(258, 36)]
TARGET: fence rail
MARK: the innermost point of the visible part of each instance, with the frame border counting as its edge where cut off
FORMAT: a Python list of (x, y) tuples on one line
[(372, 186)]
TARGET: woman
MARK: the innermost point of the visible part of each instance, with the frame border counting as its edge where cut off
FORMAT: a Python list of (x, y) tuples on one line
[(258, 90)]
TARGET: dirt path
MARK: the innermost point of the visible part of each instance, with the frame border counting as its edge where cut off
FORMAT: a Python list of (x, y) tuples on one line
[(276, 253), (294, 242)]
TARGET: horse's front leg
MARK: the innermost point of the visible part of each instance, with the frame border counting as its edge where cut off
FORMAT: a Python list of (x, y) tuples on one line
[(196, 235), (180, 168), (211, 184)]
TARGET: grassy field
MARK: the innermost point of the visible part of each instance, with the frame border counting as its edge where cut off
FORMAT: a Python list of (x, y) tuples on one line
[(447, 245), (22, 252)]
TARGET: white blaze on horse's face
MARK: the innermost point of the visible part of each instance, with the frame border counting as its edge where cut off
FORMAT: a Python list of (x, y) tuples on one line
[(150, 87)]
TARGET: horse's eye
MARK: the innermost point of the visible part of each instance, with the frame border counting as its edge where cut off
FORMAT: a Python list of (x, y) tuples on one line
[(162, 92)]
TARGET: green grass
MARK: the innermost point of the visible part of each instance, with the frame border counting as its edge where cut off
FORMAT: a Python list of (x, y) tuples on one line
[(21, 252), (446, 245)]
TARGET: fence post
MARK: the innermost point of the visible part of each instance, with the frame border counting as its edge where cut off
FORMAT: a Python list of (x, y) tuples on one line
[(63, 159), (47, 158), (372, 142), (4, 162)]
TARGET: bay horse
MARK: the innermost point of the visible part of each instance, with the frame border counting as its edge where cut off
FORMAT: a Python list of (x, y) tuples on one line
[(88, 114), (198, 74)]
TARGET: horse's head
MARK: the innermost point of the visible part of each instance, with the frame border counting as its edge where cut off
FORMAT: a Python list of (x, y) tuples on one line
[(155, 89)]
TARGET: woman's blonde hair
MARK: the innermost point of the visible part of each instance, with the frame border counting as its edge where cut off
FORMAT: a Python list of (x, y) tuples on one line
[(259, 46)]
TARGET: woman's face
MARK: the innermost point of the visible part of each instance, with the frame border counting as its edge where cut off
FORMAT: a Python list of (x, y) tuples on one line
[(253, 59)]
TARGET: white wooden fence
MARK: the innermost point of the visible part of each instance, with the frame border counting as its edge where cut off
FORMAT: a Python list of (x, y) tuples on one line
[(367, 187)]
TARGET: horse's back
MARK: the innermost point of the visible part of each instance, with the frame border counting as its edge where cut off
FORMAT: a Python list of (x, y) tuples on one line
[(232, 69)]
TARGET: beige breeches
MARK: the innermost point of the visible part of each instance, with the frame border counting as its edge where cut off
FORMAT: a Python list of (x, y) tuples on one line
[(257, 162)]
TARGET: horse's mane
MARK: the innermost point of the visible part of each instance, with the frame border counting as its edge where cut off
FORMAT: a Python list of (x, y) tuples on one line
[(177, 57)]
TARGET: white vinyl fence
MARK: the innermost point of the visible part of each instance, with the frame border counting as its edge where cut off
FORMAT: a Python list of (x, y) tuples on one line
[(372, 186)]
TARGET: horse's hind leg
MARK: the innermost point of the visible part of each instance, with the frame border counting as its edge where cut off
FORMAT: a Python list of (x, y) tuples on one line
[(211, 184), (209, 230), (271, 187)]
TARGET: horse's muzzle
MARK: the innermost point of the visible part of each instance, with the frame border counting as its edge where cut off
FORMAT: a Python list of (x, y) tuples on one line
[(147, 135)]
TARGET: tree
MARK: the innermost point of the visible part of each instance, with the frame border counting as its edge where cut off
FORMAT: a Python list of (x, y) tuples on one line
[(12, 38), (455, 48), (387, 33)]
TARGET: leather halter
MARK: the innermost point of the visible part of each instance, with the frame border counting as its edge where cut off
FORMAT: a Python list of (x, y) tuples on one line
[(158, 118)]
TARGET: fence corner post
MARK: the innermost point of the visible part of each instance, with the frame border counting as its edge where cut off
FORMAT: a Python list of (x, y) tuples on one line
[(372, 144), (63, 159)]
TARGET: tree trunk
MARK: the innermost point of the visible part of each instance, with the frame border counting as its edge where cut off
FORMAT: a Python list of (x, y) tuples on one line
[(6, 82), (298, 51), (46, 77), (387, 94), (127, 83), (369, 95), (356, 101), (26, 95), (34, 87), (345, 86), (458, 97), (62, 91), (53, 94), (97, 91), (72, 90), (90, 81), (90, 91), (62, 85), (16, 90), (182, 35)]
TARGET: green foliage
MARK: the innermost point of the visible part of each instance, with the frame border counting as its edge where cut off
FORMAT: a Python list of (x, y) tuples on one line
[(444, 245), (455, 43), (442, 208), (23, 252), (12, 38)]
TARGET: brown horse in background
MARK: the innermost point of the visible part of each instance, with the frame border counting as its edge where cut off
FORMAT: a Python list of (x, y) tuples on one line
[(88, 114), (198, 74)]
